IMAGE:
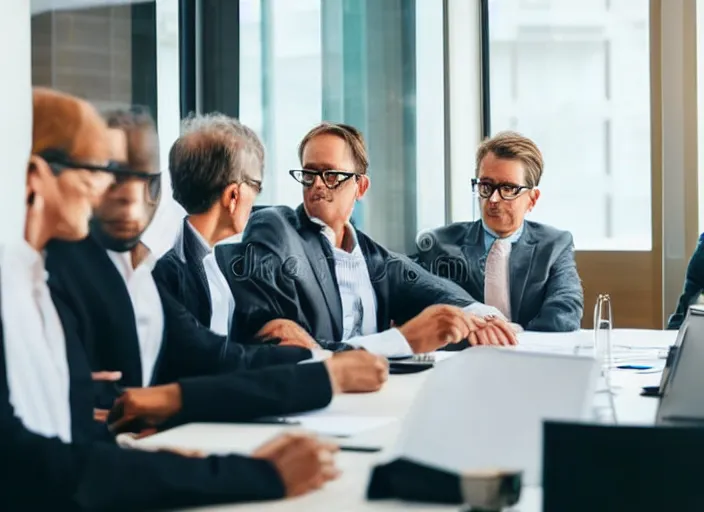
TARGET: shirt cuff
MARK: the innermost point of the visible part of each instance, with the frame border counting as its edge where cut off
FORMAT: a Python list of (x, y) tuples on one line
[(317, 356), (480, 309), (390, 343)]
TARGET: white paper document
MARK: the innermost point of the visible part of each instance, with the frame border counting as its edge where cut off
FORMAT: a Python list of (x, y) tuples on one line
[(485, 409)]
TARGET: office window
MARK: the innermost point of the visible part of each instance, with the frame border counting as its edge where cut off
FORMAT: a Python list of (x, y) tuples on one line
[(106, 55), (574, 76), (374, 64), (115, 56)]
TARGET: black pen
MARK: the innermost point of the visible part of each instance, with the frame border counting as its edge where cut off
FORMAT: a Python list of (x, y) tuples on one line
[(361, 449)]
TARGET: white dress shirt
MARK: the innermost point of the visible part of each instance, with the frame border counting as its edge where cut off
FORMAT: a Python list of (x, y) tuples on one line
[(35, 344), (222, 302), (148, 310), (359, 299), (387, 343)]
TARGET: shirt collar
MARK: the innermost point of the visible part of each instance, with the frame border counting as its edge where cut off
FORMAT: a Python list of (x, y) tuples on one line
[(123, 262), (32, 259), (202, 242), (350, 235)]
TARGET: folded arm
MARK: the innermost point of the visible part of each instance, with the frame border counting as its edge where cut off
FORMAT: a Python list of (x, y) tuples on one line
[(45, 473), (247, 395), (192, 349)]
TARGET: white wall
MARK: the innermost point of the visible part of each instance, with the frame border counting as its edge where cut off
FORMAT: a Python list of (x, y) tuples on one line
[(15, 115)]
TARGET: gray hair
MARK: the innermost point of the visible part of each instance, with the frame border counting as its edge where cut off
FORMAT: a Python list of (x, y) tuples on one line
[(213, 152)]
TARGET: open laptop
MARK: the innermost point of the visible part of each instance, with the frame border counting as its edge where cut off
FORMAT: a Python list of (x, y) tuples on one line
[(682, 383), (485, 410)]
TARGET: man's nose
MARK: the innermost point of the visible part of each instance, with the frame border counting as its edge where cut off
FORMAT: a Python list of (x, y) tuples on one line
[(495, 197), (130, 191), (318, 182)]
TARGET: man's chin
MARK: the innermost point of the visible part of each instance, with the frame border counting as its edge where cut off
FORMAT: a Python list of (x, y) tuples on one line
[(495, 223), (317, 209)]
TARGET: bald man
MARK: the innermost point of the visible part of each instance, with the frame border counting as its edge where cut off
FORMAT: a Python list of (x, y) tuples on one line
[(43, 466)]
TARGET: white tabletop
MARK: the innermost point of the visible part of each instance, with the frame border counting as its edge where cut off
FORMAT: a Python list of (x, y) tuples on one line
[(641, 347)]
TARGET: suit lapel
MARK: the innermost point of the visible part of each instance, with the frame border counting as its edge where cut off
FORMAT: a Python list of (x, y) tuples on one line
[(376, 266), (473, 250), (193, 254), (323, 265), (122, 324), (324, 273), (520, 263)]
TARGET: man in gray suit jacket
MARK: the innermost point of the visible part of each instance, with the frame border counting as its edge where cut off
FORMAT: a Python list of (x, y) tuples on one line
[(522, 271), (312, 267)]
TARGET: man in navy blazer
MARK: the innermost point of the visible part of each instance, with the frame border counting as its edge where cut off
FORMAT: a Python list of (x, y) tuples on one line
[(43, 466), (130, 324), (522, 271)]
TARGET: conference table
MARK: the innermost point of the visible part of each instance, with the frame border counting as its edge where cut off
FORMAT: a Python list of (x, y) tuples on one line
[(375, 420)]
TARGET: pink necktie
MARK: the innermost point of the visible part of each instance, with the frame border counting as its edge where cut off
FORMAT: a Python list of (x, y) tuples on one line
[(496, 280)]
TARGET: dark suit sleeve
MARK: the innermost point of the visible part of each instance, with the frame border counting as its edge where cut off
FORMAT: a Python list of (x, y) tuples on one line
[(42, 473), (192, 349), (261, 287), (412, 289), (168, 277), (693, 286), (563, 303), (253, 394)]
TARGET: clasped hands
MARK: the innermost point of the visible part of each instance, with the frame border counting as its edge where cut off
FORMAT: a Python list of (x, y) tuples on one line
[(434, 328)]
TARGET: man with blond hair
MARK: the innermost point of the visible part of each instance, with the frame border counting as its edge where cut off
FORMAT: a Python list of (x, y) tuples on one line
[(522, 271)]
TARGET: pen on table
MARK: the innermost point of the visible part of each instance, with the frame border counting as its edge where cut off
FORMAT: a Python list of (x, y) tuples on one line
[(360, 449), (634, 367)]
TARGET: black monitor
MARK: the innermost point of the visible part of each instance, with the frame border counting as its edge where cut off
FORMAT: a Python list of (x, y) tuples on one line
[(682, 383)]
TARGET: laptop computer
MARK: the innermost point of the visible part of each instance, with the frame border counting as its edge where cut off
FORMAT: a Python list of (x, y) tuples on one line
[(682, 382)]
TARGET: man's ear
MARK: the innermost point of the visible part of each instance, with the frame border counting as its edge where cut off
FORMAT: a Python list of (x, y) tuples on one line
[(534, 196), (362, 185), (36, 169), (230, 196)]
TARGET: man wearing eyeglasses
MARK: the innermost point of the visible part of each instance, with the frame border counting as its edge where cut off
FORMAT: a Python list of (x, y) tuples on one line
[(522, 271), (216, 169), (136, 327), (331, 278)]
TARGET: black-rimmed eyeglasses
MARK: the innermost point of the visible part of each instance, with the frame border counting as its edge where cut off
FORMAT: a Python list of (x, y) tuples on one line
[(152, 181), (59, 162), (507, 191), (255, 184), (331, 178)]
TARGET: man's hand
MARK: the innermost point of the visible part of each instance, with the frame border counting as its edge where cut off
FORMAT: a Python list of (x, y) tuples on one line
[(303, 462), (151, 406), (290, 333), (438, 326), (183, 452), (496, 332), (357, 371)]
